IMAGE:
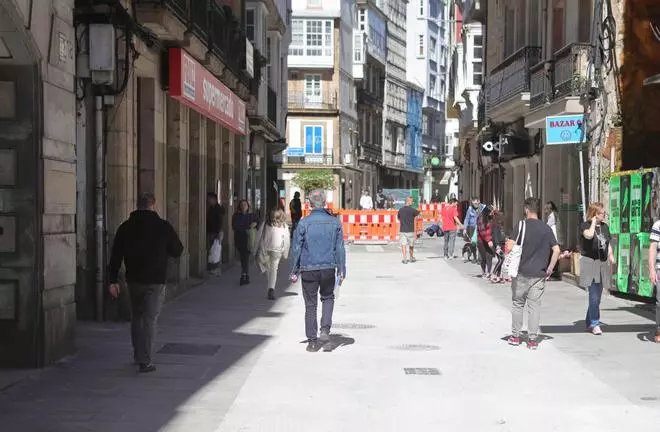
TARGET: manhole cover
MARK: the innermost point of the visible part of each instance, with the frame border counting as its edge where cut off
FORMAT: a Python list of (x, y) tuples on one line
[(417, 347), (421, 371), (353, 326), (650, 398), (385, 277), (189, 349)]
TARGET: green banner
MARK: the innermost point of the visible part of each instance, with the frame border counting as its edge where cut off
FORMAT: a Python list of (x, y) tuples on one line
[(635, 203), (615, 210), (647, 208), (623, 263), (625, 204), (396, 198), (641, 284)]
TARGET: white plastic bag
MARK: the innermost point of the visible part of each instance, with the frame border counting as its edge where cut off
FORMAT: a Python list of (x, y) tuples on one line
[(512, 259), (215, 253), (337, 286)]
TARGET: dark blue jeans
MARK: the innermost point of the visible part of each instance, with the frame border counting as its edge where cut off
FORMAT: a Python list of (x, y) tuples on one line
[(593, 310)]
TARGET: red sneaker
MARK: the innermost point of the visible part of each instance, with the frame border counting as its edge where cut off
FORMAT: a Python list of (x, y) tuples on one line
[(532, 344), (514, 340)]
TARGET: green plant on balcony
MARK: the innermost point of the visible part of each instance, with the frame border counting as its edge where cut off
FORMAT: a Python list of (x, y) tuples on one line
[(578, 83), (308, 180)]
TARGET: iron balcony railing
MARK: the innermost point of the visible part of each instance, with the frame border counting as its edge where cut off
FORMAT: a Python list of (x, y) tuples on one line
[(511, 77), (314, 100), (215, 25), (310, 159), (367, 98), (272, 105), (564, 75)]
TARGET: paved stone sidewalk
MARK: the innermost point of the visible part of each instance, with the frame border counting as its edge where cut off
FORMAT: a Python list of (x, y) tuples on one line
[(417, 347)]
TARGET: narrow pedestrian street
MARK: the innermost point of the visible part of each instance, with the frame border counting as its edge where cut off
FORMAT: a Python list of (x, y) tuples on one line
[(416, 347)]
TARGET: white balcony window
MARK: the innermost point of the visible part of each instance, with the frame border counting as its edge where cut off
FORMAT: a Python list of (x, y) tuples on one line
[(420, 46), (311, 38), (357, 48), (421, 8), (313, 90), (313, 140), (249, 24)]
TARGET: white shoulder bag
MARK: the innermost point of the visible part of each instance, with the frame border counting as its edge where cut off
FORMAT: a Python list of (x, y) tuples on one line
[(512, 259)]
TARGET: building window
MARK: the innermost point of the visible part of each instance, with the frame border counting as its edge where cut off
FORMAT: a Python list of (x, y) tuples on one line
[(362, 19), (447, 147), (420, 46), (509, 31), (297, 46), (432, 85), (313, 139), (425, 125), (249, 24), (477, 60), (432, 46), (558, 16), (357, 49), (421, 7), (268, 57), (433, 8), (313, 88), (311, 37), (313, 3), (586, 10)]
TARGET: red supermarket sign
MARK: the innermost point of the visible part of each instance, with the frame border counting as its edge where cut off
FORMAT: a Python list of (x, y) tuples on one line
[(193, 85)]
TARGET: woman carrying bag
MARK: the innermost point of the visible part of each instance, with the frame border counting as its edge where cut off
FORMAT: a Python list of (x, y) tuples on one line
[(595, 263), (243, 222), (274, 244)]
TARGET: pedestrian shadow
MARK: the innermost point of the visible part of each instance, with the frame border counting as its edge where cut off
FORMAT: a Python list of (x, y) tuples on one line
[(642, 310), (524, 337), (579, 327), (648, 336), (336, 341)]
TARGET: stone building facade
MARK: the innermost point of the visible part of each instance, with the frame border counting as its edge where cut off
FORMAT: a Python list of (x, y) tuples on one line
[(37, 181)]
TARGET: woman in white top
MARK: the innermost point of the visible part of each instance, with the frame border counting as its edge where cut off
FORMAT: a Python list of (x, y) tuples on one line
[(274, 244), (552, 218)]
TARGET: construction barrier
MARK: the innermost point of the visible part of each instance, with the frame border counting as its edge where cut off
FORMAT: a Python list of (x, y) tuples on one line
[(431, 212), (307, 209), (372, 225)]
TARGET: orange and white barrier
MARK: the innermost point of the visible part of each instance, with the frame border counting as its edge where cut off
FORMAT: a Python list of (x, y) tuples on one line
[(307, 209), (372, 225), (431, 212)]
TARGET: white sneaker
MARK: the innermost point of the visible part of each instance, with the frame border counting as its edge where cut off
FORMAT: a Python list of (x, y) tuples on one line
[(597, 331)]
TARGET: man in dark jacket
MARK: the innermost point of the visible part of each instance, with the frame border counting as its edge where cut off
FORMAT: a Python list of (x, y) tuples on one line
[(295, 207), (144, 243), (319, 257)]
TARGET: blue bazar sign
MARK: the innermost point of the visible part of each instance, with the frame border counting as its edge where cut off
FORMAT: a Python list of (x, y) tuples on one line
[(565, 130), (295, 151)]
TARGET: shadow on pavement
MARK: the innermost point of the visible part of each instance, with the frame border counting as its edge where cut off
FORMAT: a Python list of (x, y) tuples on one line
[(579, 327), (338, 341), (205, 332)]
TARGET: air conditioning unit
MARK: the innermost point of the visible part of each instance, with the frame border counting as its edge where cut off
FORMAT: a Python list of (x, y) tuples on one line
[(348, 158)]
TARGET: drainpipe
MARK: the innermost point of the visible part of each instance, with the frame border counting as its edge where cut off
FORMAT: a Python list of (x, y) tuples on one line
[(100, 206)]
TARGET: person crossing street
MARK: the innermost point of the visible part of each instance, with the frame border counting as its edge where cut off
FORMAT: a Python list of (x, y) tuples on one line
[(407, 235)]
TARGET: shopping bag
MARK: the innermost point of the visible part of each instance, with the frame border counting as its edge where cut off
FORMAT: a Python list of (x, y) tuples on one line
[(473, 240), (337, 286), (215, 253), (252, 240), (512, 259)]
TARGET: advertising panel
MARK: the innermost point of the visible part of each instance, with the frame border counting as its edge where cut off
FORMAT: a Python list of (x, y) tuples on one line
[(565, 130), (623, 263), (615, 205), (396, 198), (624, 193)]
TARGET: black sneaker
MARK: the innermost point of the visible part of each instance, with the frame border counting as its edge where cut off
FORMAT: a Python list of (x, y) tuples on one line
[(271, 294), (146, 368), (404, 261), (324, 337), (413, 260), (244, 279), (313, 346)]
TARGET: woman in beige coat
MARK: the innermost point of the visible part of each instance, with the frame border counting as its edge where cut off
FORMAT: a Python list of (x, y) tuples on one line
[(274, 244)]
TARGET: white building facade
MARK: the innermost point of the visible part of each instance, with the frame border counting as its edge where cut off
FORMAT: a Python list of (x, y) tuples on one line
[(322, 113)]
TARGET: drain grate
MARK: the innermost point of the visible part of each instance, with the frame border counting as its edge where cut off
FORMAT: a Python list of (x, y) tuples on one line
[(385, 277), (421, 371), (189, 349), (353, 326), (416, 347), (650, 398)]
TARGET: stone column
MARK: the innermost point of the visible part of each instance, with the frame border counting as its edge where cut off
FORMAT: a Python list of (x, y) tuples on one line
[(177, 183), (197, 194), (227, 192), (146, 135)]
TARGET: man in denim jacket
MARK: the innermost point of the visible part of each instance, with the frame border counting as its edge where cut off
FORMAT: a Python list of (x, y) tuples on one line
[(318, 256)]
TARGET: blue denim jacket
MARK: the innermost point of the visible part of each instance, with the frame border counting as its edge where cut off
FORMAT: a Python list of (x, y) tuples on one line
[(318, 243)]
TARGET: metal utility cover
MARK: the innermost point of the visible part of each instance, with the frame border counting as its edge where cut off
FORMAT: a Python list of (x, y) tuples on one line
[(189, 349), (417, 347), (353, 326), (421, 371)]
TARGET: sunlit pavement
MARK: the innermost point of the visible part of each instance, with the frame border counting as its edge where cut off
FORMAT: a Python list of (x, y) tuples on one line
[(417, 347)]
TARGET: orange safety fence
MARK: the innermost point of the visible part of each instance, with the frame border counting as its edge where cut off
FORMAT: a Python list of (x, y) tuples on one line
[(307, 209), (372, 225), (431, 212)]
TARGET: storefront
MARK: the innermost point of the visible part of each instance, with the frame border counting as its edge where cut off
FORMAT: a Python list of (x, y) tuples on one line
[(215, 119)]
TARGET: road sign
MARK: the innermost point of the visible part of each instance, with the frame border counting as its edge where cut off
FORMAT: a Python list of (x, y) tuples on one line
[(565, 130), (295, 151)]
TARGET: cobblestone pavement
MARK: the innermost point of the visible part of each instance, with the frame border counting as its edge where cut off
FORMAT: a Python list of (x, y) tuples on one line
[(416, 347)]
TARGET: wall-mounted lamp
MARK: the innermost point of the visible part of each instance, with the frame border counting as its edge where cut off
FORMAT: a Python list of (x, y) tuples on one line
[(343, 181)]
